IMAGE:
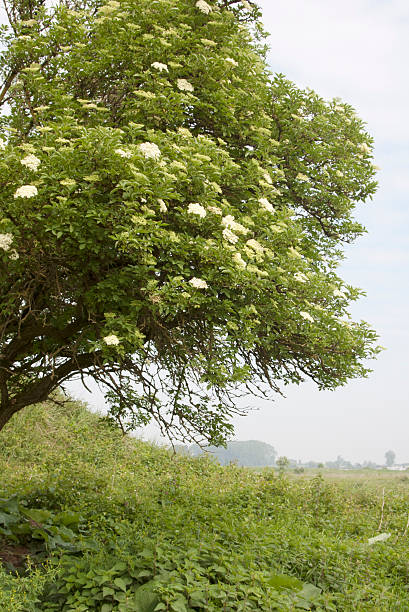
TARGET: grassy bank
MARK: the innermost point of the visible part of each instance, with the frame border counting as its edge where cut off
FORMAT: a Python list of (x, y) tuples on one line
[(90, 520)]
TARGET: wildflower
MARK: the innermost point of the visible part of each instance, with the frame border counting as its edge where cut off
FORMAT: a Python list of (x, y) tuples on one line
[(184, 85), (300, 277), (111, 340), (26, 191), (266, 205), (306, 316), (160, 67), (31, 162), (303, 177), (203, 7), (379, 538), (256, 246), (68, 182), (239, 261), (229, 236), (162, 206), (122, 153), (198, 283), (231, 61), (196, 209), (150, 150), (5, 241)]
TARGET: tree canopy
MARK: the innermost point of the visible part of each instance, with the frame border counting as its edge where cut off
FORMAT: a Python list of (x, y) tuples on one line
[(172, 213)]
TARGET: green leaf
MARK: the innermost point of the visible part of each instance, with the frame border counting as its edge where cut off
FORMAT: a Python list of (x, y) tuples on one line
[(282, 581), (145, 598)]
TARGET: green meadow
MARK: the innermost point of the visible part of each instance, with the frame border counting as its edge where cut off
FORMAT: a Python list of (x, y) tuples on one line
[(93, 520)]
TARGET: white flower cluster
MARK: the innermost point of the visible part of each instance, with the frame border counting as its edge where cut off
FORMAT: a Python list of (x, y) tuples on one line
[(162, 206), (364, 148), (203, 7), (339, 173), (301, 277), (150, 150), (122, 153), (5, 241), (303, 177), (256, 246), (246, 5), (231, 61), (229, 236), (31, 162), (184, 85), (266, 205), (293, 253), (26, 191), (198, 283), (267, 178), (339, 293), (196, 209), (229, 222), (215, 210), (306, 316), (239, 261), (111, 340), (109, 7), (160, 67)]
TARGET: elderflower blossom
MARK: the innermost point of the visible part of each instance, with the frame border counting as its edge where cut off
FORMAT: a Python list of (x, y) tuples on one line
[(5, 241), (184, 85), (160, 67), (122, 153), (162, 206), (203, 7), (267, 178), (339, 173), (111, 340), (215, 210), (303, 177), (306, 316), (229, 222), (31, 162), (294, 253), (364, 148), (256, 246), (339, 293), (26, 191), (301, 277), (208, 42), (266, 205), (246, 5), (68, 182), (231, 61), (150, 150), (229, 236), (239, 261), (196, 209), (198, 283), (109, 7)]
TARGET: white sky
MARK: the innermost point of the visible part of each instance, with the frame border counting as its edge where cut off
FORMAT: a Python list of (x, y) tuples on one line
[(357, 50)]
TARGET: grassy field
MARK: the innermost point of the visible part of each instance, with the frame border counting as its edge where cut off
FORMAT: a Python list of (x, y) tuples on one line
[(90, 520)]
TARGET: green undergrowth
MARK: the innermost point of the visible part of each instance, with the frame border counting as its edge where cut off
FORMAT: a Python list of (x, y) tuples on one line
[(92, 520)]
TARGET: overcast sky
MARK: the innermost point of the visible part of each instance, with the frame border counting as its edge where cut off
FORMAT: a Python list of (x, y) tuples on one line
[(357, 50)]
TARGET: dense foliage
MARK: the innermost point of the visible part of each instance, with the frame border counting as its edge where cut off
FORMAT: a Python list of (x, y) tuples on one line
[(171, 213), (250, 453), (114, 524)]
